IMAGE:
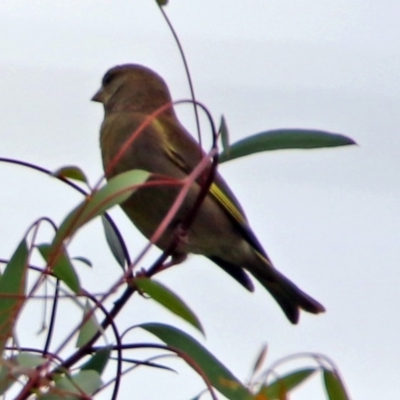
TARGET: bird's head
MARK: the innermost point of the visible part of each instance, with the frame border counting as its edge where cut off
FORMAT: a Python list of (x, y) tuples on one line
[(132, 87)]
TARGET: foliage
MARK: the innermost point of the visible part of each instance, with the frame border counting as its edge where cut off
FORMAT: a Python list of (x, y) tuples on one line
[(42, 372), (61, 372)]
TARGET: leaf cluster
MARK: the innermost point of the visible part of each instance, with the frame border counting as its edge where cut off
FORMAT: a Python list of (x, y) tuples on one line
[(53, 372)]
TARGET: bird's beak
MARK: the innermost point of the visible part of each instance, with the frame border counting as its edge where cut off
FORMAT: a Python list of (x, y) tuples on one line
[(99, 96)]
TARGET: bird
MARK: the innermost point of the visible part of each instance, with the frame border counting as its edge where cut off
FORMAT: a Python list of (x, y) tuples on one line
[(220, 231)]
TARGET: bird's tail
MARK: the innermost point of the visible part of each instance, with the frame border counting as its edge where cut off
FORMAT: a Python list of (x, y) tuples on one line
[(286, 293)]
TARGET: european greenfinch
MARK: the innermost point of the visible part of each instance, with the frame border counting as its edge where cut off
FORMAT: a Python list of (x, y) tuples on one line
[(220, 231)]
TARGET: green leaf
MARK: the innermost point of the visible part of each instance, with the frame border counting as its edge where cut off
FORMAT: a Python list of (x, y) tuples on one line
[(146, 363), (223, 131), (63, 268), (280, 139), (98, 361), (199, 396), (13, 367), (169, 300), (89, 328), (114, 241), (29, 360), (219, 376), (334, 386), (71, 387), (260, 360), (286, 383), (83, 260), (162, 2), (71, 172), (116, 191), (88, 381), (7, 378), (12, 291)]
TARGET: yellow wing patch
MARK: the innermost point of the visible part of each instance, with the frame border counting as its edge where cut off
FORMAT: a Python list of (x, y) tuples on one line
[(175, 157), (227, 204), (264, 258), (167, 146)]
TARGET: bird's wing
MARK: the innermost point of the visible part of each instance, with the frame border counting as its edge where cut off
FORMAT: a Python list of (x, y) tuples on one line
[(229, 204), (219, 190)]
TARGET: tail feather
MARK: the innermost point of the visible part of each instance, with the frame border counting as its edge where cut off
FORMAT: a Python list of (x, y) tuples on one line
[(288, 295), (290, 298), (235, 272)]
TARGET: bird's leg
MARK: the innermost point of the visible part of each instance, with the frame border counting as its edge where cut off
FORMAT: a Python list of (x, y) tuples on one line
[(180, 236), (176, 258)]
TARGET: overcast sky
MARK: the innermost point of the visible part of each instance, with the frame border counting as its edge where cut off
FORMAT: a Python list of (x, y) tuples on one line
[(329, 219)]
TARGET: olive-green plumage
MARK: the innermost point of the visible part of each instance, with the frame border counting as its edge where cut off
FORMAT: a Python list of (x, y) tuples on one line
[(220, 231)]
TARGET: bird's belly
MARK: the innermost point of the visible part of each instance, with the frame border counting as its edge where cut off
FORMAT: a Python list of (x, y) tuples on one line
[(210, 234)]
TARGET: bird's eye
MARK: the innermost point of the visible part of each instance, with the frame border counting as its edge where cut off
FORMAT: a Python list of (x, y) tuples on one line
[(108, 77)]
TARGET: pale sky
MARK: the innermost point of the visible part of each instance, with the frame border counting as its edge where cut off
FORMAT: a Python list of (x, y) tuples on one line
[(329, 219)]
